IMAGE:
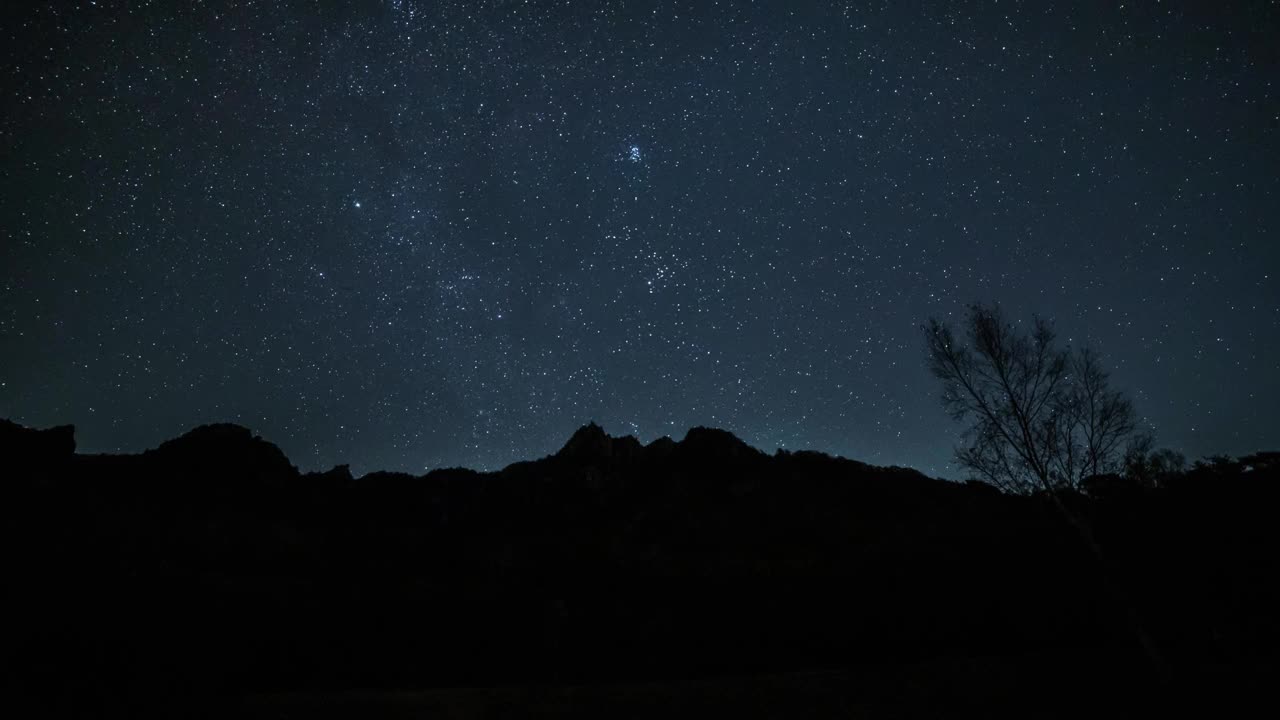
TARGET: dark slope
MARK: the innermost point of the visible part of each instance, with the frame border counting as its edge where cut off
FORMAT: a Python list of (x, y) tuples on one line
[(211, 566)]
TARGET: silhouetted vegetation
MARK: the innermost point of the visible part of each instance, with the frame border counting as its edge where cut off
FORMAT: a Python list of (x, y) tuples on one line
[(210, 567), (1041, 417)]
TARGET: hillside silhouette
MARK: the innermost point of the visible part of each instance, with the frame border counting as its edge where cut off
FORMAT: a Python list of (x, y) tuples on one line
[(211, 568)]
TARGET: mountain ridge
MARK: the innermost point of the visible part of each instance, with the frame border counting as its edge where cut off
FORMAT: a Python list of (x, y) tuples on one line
[(210, 564), (224, 443)]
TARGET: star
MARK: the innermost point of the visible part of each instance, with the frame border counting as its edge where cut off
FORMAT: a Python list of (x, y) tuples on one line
[(771, 193)]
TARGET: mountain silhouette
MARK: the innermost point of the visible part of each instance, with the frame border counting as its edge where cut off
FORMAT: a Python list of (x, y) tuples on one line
[(590, 443), (230, 453), (210, 567), (24, 447)]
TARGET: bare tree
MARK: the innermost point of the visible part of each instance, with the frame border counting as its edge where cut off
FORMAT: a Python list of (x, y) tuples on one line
[(1041, 418)]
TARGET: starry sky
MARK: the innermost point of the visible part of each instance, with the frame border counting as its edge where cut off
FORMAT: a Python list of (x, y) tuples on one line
[(405, 234)]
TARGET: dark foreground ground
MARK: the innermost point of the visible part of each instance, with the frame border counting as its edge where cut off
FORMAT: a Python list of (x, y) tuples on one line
[(1032, 686), (1011, 687), (208, 578)]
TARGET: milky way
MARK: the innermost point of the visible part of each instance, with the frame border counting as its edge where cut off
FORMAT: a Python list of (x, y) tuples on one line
[(412, 234)]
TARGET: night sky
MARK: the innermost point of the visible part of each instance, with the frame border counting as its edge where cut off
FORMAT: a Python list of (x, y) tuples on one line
[(411, 234)]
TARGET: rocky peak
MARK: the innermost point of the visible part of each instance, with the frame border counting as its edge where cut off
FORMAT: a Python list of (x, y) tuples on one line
[(226, 447), (712, 442), (591, 442)]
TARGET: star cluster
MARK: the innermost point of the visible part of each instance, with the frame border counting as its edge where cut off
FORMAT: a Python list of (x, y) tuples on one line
[(412, 234)]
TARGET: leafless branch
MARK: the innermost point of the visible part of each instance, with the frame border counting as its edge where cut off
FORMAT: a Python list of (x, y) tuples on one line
[(1041, 418)]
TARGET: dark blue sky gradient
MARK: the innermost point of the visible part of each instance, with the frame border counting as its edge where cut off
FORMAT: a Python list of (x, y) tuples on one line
[(413, 234)]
